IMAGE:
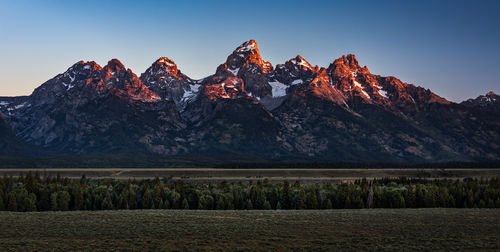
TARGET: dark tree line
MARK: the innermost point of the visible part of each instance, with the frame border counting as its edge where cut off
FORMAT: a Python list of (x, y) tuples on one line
[(32, 193)]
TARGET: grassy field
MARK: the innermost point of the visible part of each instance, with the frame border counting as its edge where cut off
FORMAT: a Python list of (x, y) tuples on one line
[(273, 175), (407, 229)]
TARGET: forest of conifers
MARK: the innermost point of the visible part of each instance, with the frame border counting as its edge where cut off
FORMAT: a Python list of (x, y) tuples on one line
[(32, 193)]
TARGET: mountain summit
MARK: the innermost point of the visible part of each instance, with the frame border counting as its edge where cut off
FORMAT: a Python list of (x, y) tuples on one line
[(246, 55), (489, 102), (250, 110)]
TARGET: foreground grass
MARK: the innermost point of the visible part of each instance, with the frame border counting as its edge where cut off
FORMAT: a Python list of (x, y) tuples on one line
[(368, 229)]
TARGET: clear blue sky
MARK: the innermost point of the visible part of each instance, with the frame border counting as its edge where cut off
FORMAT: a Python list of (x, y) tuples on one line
[(450, 47)]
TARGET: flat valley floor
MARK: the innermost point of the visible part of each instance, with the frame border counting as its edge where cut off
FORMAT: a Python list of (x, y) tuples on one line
[(283, 230), (278, 175)]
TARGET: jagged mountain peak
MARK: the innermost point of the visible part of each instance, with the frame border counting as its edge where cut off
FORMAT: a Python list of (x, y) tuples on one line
[(247, 55), (164, 78), (87, 80), (66, 81), (246, 63), (489, 102), (163, 70), (165, 61), (345, 66), (115, 65), (89, 65), (349, 60), (302, 64), (166, 66), (247, 46), (295, 71), (300, 59)]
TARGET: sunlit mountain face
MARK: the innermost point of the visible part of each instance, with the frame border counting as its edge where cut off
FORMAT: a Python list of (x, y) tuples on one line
[(248, 108)]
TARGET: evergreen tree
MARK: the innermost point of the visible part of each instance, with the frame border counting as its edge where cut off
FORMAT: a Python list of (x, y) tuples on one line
[(88, 204), (30, 203), (470, 198), (329, 204), (2, 205), (451, 201), (301, 200), (267, 205), (220, 205), (491, 203), (207, 202), (77, 196), (107, 204), (260, 198), (482, 204), (431, 197), (286, 195), (278, 206), (147, 200), (131, 198), (401, 203), (175, 199), (122, 202), (229, 206), (166, 204), (249, 205), (347, 204), (12, 202), (312, 199), (185, 204), (410, 199), (369, 199), (420, 197), (63, 199), (44, 200)]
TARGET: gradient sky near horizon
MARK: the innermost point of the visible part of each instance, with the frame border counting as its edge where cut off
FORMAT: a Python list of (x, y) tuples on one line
[(450, 47)]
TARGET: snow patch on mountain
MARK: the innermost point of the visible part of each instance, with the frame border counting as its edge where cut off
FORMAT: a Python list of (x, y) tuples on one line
[(234, 71), (189, 94), (301, 63), (20, 105), (383, 93), (297, 82), (357, 84), (68, 86), (278, 88)]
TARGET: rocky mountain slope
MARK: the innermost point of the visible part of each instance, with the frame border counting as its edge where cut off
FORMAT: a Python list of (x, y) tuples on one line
[(9, 143), (489, 102), (250, 110)]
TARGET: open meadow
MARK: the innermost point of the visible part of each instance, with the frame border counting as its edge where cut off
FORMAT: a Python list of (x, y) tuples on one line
[(140, 230)]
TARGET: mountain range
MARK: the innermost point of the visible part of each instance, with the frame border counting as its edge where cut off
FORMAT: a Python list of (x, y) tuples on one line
[(248, 109)]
